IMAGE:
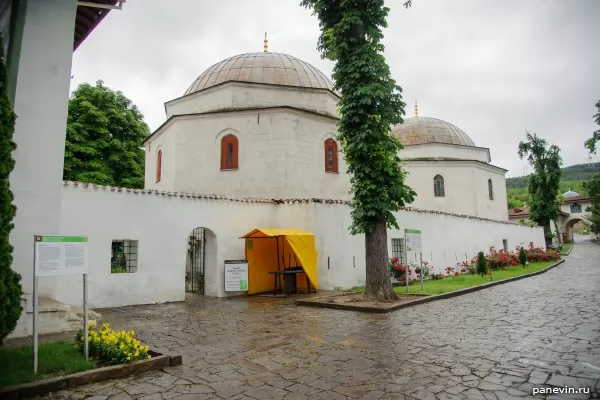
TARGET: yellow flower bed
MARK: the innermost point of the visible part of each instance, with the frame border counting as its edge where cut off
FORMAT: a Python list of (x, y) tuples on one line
[(111, 347)]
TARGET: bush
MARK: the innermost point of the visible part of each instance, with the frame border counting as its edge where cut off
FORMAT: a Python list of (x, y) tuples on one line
[(500, 259), (398, 270), (10, 281), (522, 256), (111, 347), (481, 264)]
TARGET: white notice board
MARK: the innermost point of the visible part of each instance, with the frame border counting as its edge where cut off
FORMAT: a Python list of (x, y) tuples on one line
[(236, 275), (60, 255), (413, 241)]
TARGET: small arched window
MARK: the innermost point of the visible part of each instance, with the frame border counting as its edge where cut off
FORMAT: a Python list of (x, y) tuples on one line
[(331, 156), (158, 166), (438, 186), (490, 189), (229, 152)]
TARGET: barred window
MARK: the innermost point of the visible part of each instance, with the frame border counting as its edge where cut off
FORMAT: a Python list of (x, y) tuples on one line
[(124, 256), (575, 208), (438, 186), (398, 249)]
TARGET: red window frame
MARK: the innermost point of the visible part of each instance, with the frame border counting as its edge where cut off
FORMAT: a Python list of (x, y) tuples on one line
[(331, 163), (158, 166), (229, 152)]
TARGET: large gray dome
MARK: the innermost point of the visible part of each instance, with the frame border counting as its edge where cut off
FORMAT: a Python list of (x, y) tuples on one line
[(268, 68), (570, 194), (420, 130)]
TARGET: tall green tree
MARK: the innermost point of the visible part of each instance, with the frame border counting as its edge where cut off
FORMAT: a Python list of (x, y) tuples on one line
[(593, 188), (591, 142), (105, 131), (544, 181), (371, 102), (10, 281)]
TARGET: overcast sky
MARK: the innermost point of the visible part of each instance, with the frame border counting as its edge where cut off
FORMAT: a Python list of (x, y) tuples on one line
[(494, 68)]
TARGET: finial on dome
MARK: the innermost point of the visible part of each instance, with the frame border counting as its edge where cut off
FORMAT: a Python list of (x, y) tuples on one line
[(416, 108), (266, 43)]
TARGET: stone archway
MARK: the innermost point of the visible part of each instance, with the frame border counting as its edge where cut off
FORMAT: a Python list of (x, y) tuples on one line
[(568, 228), (201, 259)]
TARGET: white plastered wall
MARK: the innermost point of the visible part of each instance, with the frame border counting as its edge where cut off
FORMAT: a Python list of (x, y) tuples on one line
[(465, 186), (162, 222), (241, 95), (281, 155), (444, 150), (41, 103)]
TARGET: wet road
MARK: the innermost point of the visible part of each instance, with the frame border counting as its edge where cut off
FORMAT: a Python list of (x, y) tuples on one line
[(499, 343)]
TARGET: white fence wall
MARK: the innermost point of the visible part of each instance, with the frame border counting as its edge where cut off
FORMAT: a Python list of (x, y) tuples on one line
[(162, 222)]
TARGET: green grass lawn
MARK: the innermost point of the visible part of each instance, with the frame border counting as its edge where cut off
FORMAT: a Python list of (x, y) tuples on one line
[(54, 359), (565, 248), (452, 283)]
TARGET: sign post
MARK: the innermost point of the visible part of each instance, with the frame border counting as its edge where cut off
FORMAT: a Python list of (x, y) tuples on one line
[(412, 240), (236, 275), (57, 256)]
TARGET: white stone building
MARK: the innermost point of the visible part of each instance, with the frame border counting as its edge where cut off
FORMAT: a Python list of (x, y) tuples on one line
[(252, 143), (572, 210)]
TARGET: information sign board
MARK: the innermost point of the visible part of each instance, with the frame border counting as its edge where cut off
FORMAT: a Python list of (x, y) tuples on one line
[(61, 255), (236, 275), (413, 241)]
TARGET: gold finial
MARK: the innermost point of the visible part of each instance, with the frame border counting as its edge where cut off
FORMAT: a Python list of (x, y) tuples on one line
[(416, 109), (266, 43)]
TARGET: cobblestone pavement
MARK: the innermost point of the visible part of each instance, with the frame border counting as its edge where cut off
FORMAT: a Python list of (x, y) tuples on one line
[(498, 343)]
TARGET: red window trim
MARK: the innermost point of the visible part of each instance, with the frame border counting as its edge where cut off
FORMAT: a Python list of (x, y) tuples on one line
[(225, 142), (331, 144), (158, 166)]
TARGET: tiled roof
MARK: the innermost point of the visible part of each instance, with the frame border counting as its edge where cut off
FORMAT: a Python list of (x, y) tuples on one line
[(269, 68)]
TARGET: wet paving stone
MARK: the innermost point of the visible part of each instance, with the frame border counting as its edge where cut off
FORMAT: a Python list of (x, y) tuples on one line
[(497, 344)]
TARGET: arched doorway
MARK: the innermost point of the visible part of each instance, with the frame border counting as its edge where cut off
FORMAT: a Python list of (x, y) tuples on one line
[(201, 257), (575, 227)]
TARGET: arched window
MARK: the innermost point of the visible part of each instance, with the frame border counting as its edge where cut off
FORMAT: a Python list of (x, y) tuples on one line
[(158, 166), (229, 152), (490, 189), (331, 156), (438, 186)]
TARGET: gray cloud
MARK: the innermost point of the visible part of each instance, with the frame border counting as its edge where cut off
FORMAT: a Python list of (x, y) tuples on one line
[(493, 68)]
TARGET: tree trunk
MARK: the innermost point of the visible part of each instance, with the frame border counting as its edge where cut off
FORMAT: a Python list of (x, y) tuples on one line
[(378, 282), (547, 234), (557, 233)]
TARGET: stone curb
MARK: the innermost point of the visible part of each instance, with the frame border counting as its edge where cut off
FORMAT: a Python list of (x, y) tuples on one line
[(569, 252), (40, 388), (348, 307)]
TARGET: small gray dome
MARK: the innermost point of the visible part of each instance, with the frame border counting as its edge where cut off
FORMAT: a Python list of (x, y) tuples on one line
[(269, 68), (570, 194), (420, 130)]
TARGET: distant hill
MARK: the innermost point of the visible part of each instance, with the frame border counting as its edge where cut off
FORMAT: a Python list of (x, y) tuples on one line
[(572, 179), (579, 172)]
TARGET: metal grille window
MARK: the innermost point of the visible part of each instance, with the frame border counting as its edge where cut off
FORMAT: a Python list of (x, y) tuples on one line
[(505, 244), (398, 249), (124, 256), (438, 186), (575, 208)]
